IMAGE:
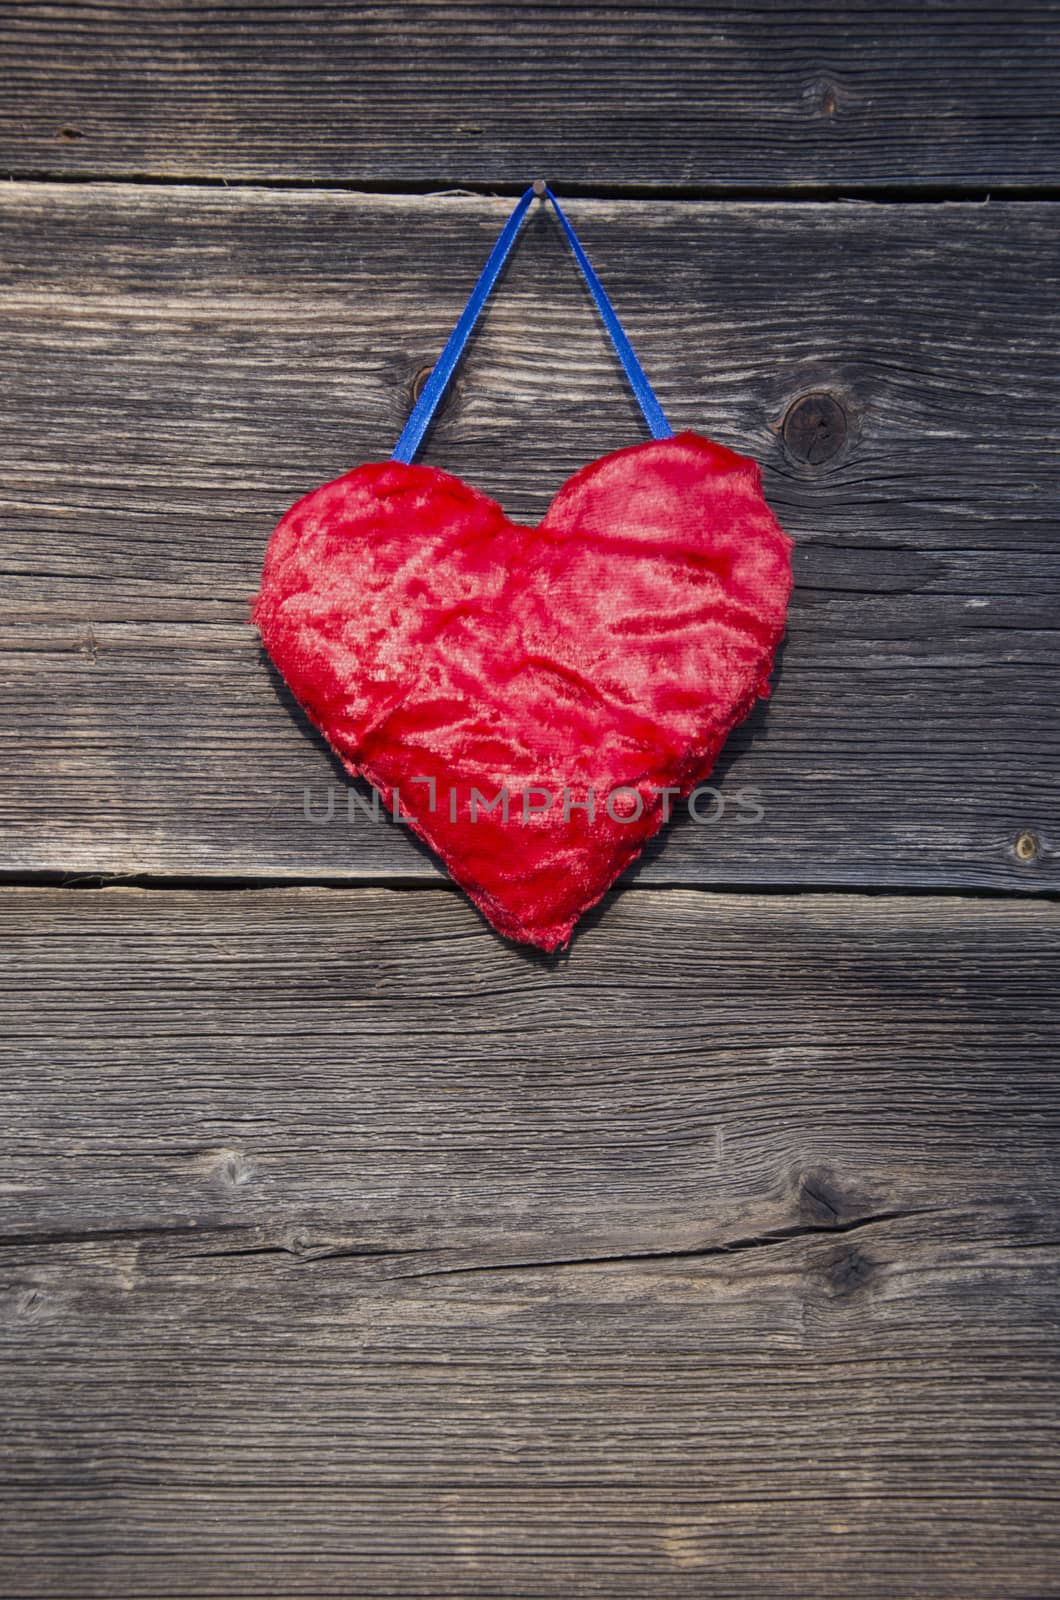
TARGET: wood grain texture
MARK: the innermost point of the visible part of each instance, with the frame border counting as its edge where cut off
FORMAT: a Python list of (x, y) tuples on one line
[(178, 365), (346, 1250), (690, 95)]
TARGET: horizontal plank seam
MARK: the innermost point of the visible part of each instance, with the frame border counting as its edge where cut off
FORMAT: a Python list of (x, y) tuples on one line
[(206, 883), (794, 193)]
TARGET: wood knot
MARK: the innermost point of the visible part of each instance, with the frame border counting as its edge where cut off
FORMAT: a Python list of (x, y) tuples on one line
[(820, 1202), (418, 381), (30, 1305), (847, 1270), (227, 1169), (1027, 848), (234, 1170), (815, 429)]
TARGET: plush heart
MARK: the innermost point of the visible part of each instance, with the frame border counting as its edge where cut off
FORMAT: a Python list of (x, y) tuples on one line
[(531, 699)]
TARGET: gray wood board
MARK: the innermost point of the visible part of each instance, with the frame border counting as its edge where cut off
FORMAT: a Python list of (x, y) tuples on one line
[(690, 96), (178, 365), (346, 1250), (687, 1056)]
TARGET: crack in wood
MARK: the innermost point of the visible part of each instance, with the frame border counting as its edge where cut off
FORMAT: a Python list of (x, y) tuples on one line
[(308, 1253), (145, 1231), (694, 1252)]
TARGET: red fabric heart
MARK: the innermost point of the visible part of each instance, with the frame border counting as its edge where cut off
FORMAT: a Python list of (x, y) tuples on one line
[(601, 657)]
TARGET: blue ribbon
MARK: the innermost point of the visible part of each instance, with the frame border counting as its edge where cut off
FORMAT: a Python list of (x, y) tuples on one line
[(434, 388)]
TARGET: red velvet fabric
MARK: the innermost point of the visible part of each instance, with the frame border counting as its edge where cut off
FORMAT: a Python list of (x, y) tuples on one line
[(610, 649)]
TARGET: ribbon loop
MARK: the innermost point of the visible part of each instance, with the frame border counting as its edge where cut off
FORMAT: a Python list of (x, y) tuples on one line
[(427, 404)]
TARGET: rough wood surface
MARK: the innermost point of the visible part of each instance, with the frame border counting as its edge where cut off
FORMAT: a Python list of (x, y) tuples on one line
[(178, 365), (344, 1249), (347, 1251), (690, 95)]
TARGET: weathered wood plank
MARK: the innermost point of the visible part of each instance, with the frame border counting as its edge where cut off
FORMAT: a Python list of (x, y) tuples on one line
[(377, 1057), (178, 365), (808, 1418), (347, 1250), (692, 95)]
